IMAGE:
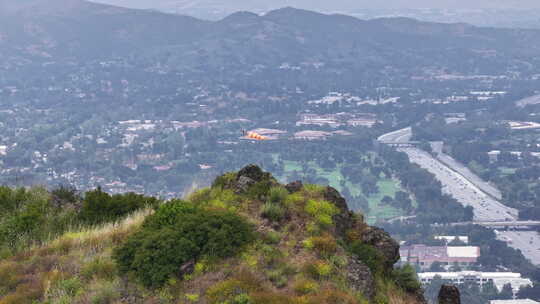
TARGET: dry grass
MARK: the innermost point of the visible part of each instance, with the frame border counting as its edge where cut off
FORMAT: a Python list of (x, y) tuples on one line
[(51, 272)]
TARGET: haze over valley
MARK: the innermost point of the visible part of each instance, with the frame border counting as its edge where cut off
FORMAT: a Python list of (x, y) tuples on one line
[(427, 128)]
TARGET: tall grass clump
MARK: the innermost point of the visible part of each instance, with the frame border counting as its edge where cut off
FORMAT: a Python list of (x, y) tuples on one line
[(322, 211), (274, 209)]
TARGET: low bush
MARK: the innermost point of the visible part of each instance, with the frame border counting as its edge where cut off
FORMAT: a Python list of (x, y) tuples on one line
[(369, 255), (277, 195), (224, 181), (314, 190), (99, 207), (322, 211), (318, 270), (273, 211), (405, 277), (99, 268), (260, 190), (178, 233), (304, 287), (271, 237), (66, 194), (325, 245), (332, 296), (234, 290)]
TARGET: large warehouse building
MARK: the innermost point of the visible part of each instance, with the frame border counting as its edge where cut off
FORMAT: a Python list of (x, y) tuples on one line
[(424, 256)]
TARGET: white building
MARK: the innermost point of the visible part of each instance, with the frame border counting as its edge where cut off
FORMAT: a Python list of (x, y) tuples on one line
[(450, 238), (499, 279)]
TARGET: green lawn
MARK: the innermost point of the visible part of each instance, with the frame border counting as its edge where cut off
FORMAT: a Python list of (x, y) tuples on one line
[(378, 211), (387, 187), (506, 170)]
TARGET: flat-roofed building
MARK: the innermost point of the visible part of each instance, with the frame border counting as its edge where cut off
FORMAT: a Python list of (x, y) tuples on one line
[(499, 279), (424, 256)]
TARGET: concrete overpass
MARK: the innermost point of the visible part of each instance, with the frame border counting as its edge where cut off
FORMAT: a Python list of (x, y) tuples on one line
[(398, 144), (501, 224)]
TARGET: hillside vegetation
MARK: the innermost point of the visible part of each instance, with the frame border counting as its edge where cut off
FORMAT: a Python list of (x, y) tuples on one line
[(246, 239)]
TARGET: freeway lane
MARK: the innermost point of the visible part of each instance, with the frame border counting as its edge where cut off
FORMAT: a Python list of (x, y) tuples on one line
[(402, 135), (528, 242), (470, 190), (465, 192)]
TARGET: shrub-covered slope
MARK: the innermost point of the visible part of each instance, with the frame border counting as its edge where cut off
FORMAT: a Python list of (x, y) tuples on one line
[(246, 239)]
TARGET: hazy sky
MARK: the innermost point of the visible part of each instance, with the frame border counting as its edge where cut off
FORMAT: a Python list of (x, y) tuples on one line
[(329, 5)]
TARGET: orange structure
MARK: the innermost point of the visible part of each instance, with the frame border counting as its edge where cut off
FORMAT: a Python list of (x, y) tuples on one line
[(256, 136)]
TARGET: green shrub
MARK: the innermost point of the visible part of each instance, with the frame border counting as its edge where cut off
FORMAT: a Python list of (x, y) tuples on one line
[(224, 181), (99, 268), (277, 195), (273, 211), (234, 290), (322, 211), (69, 287), (192, 297), (272, 237), (178, 233), (319, 269), (66, 194), (314, 189), (304, 287), (405, 277), (260, 190), (242, 298), (169, 214), (99, 207), (160, 254), (105, 293), (369, 255), (325, 245), (277, 277)]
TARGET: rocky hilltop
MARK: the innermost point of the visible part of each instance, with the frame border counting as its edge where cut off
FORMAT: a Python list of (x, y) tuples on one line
[(245, 239)]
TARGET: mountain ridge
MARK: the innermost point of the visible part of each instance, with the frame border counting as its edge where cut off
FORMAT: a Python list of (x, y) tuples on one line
[(143, 29)]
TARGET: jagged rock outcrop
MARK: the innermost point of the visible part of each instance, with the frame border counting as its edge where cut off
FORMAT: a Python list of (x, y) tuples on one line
[(249, 176), (294, 186), (360, 278), (384, 243), (449, 294), (347, 225), (344, 219)]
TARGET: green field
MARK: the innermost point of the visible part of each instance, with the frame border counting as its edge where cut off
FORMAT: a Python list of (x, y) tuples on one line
[(378, 211), (507, 171), (387, 187)]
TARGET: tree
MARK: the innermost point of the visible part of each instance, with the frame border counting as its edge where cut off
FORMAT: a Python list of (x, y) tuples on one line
[(506, 292), (436, 267)]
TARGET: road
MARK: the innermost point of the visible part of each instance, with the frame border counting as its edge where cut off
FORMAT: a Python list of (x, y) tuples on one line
[(464, 191), (528, 101), (526, 241), (402, 135), (469, 175), (470, 190)]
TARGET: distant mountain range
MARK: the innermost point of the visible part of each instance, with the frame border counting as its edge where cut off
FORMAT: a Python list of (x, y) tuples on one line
[(328, 5), (81, 30)]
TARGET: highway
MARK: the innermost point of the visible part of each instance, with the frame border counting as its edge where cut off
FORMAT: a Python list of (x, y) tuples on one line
[(526, 241), (470, 190), (528, 101), (402, 135), (464, 191)]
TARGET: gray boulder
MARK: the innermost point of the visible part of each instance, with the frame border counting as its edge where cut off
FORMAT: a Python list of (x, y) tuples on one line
[(360, 278), (384, 243), (449, 294)]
